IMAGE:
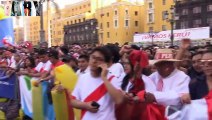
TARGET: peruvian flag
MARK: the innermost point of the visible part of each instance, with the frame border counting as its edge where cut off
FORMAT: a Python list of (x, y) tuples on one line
[(198, 110)]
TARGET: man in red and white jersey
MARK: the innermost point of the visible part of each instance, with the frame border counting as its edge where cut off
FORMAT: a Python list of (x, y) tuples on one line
[(97, 92), (44, 67)]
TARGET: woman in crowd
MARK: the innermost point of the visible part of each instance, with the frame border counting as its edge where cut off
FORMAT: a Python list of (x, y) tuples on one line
[(134, 80), (28, 66)]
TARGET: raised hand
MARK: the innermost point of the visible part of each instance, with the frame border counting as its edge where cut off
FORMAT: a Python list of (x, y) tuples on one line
[(185, 43), (104, 71)]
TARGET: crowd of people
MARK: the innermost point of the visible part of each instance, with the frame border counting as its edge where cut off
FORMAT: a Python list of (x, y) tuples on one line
[(120, 82)]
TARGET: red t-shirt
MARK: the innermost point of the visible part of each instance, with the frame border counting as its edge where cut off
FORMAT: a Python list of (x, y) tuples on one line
[(59, 63)]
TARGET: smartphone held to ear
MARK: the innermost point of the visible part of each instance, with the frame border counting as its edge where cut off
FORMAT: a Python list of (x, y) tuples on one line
[(100, 69), (95, 104)]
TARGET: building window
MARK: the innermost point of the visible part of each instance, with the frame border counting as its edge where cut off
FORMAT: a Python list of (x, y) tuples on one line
[(126, 23), (67, 23), (136, 23), (197, 23), (209, 7), (108, 24), (75, 21), (151, 29), (83, 19), (150, 17), (116, 12), (164, 13), (150, 5), (164, 28), (126, 12), (184, 24), (209, 21), (108, 14), (164, 2), (101, 26), (185, 12), (136, 13), (108, 34), (197, 10), (116, 23), (79, 20)]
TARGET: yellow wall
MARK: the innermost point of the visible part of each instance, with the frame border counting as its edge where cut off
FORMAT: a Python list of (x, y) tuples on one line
[(120, 34), (34, 29), (71, 14), (19, 34), (157, 10)]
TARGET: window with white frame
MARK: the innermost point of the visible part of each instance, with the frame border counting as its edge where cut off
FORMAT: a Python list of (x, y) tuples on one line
[(209, 8), (116, 12), (164, 15), (197, 23), (164, 28), (115, 23), (197, 10), (184, 24), (209, 21), (150, 17), (126, 23), (126, 12), (164, 2), (150, 5), (185, 12), (136, 23)]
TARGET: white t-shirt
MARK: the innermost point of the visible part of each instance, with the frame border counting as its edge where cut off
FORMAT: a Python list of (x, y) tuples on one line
[(41, 67), (87, 84), (148, 83), (79, 73), (173, 86), (116, 69), (11, 62)]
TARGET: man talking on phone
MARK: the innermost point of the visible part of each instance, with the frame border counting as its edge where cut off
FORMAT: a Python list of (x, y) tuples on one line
[(97, 92)]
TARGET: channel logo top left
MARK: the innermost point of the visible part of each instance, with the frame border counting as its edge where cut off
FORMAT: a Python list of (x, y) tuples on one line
[(20, 7)]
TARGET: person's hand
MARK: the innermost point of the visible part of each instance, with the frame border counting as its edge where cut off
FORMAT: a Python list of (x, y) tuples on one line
[(128, 97), (149, 98), (185, 43), (91, 108), (136, 99), (59, 88), (125, 49), (35, 83), (104, 72), (23, 72), (185, 98)]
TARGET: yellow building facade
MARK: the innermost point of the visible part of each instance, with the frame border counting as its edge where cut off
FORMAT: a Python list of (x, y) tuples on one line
[(19, 34), (154, 11), (33, 31), (119, 22), (71, 14)]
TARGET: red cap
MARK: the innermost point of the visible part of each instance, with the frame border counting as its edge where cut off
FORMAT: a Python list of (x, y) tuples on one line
[(139, 56)]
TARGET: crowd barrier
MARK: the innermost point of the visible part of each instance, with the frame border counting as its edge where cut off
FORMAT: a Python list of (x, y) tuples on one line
[(35, 101)]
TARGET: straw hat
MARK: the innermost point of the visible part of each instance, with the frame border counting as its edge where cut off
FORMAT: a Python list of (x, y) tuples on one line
[(163, 55)]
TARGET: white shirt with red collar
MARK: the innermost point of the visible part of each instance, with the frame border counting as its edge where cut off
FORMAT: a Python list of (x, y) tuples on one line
[(174, 86), (86, 85), (43, 67)]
